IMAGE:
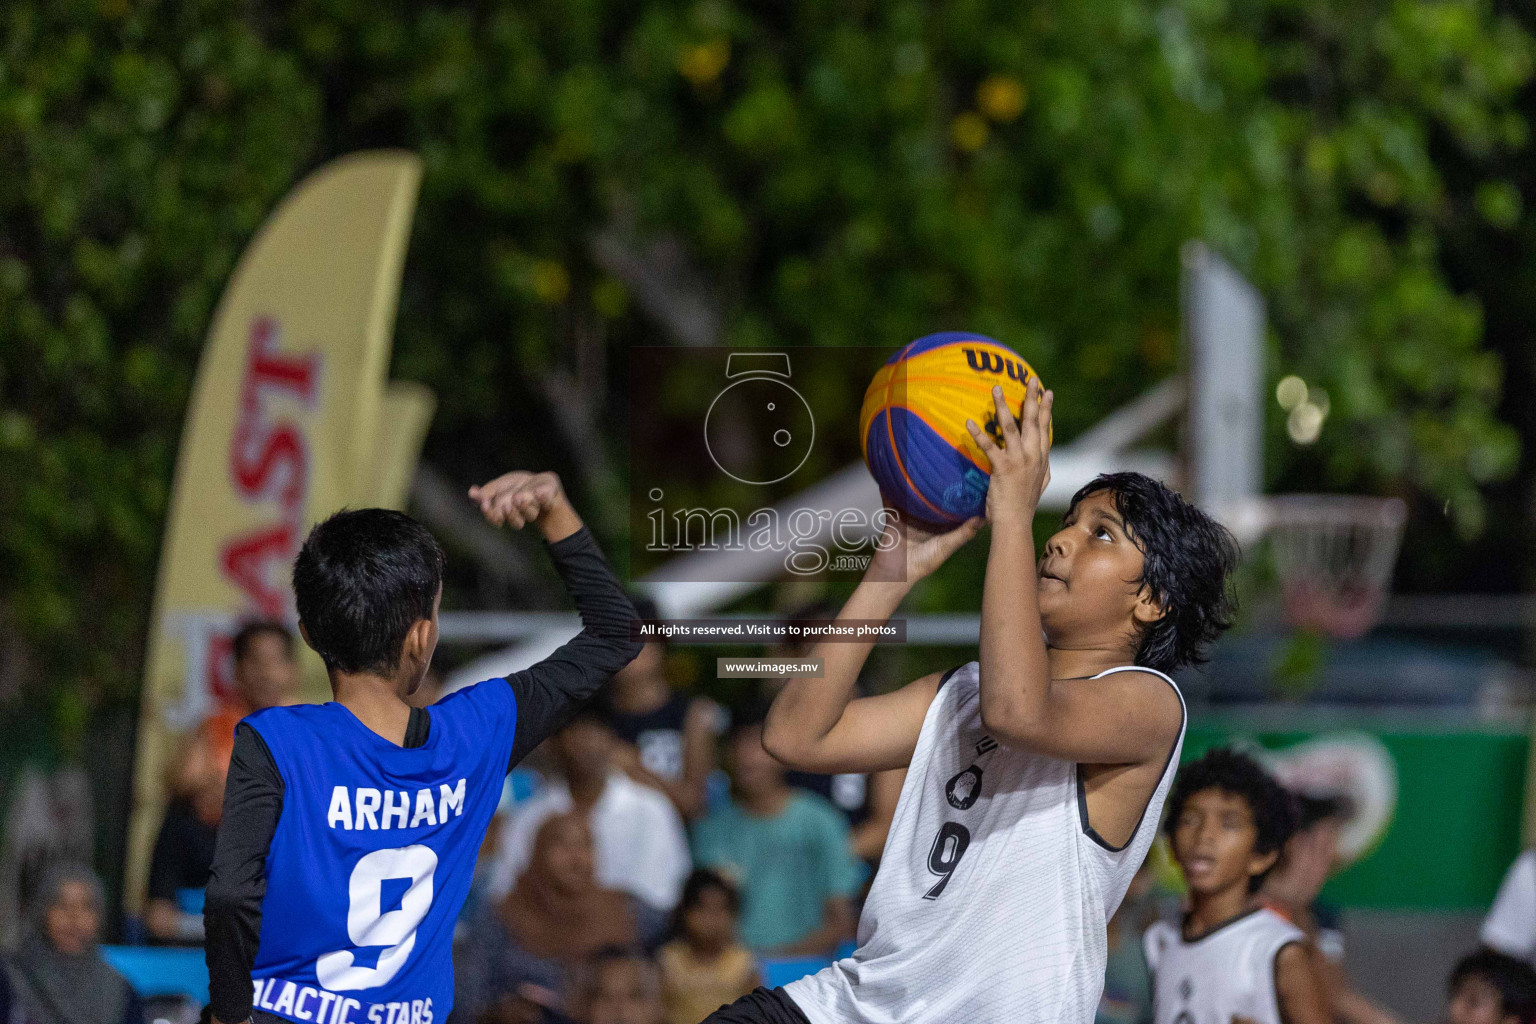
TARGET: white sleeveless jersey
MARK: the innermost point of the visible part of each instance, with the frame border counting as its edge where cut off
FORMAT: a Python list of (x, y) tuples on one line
[(993, 893), (1229, 970)]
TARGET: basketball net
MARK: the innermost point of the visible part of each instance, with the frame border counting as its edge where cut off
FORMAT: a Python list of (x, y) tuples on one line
[(1334, 556)]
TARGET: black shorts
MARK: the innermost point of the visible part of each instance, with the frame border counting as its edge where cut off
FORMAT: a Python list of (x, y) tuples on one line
[(760, 1006)]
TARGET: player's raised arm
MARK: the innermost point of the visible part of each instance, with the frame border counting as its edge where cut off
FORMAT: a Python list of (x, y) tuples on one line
[(816, 724), (549, 692), (1125, 718)]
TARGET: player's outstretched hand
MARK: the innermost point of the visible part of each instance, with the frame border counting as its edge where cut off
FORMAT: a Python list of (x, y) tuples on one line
[(518, 498), (1021, 465), (908, 552)]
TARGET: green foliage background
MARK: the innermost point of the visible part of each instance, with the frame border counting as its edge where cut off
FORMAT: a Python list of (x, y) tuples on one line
[(858, 173)]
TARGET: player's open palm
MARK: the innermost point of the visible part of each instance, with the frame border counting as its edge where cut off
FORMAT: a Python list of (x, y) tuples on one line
[(908, 551), (1021, 463), (518, 498)]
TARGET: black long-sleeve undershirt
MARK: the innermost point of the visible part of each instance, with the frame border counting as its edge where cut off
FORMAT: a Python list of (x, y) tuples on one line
[(547, 695)]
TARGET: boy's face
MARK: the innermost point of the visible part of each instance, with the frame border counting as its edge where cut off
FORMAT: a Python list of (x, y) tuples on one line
[(584, 749), (1087, 578), (1214, 842), (709, 922), (1476, 1001), (268, 674), (624, 992)]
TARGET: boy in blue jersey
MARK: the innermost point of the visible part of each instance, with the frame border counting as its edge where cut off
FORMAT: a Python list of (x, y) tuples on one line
[(351, 828)]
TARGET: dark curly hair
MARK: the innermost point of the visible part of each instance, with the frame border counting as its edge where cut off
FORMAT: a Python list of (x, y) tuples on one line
[(1513, 979), (1232, 771), (1188, 559)]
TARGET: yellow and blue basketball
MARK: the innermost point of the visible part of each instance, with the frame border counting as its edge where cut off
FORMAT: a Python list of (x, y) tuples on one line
[(912, 424)]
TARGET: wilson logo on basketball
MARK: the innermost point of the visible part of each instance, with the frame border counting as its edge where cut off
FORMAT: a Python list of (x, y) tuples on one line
[(983, 361)]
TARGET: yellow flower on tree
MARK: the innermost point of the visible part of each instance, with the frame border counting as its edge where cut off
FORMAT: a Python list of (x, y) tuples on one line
[(1001, 98), (702, 63)]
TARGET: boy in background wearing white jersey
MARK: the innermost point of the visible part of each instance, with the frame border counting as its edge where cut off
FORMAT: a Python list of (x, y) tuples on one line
[(1036, 774), (1233, 961)]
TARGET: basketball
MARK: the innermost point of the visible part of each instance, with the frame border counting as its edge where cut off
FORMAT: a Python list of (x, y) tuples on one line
[(912, 423)]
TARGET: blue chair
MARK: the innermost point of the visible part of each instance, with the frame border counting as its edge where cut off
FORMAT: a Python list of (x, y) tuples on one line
[(783, 970), (156, 971)]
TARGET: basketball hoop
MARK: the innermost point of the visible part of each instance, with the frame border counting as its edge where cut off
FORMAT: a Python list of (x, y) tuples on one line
[(1334, 555)]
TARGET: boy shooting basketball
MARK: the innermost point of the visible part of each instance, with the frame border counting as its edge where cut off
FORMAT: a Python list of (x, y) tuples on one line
[(1034, 771), (351, 828)]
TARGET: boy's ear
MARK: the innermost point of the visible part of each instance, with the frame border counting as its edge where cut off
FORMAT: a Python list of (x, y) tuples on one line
[(304, 632), (418, 638), (1147, 609), (1262, 862)]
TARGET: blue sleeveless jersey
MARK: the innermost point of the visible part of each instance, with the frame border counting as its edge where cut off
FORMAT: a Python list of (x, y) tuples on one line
[(373, 857)]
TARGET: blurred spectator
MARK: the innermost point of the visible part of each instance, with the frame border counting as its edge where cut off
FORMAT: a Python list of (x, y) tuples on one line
[(183, 859), (1292, 889), (1127, 997), (622, 986), (266, 676), (705, 966), (668, 738), (518, 955), (867, 800), (58, 976), (1489, 987), (787, 849), (50, 819), (640, 843), (1510, 926)]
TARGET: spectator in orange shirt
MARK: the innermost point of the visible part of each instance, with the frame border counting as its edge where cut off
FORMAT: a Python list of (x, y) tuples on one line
[(267, 675)]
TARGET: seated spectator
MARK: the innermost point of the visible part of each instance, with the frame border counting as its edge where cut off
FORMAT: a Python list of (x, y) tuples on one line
[(640, 843), (1127, 995), (266, 676), (1292, 889), (787, 849), (668, 738), (58, 975), (867, 799), (622, 986), (519, 954), (1489, 987), (705, 966), (182, 861)]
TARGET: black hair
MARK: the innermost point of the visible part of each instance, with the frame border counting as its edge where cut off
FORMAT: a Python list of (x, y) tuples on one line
[(261, 627), (1231, 771), (362, 579), (701, 881), (1313, 809), (698, 883), (1514, 979), (749, 715), (1188, 559)]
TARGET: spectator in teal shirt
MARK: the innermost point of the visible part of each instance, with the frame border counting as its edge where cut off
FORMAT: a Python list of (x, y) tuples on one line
[(787, 849)]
